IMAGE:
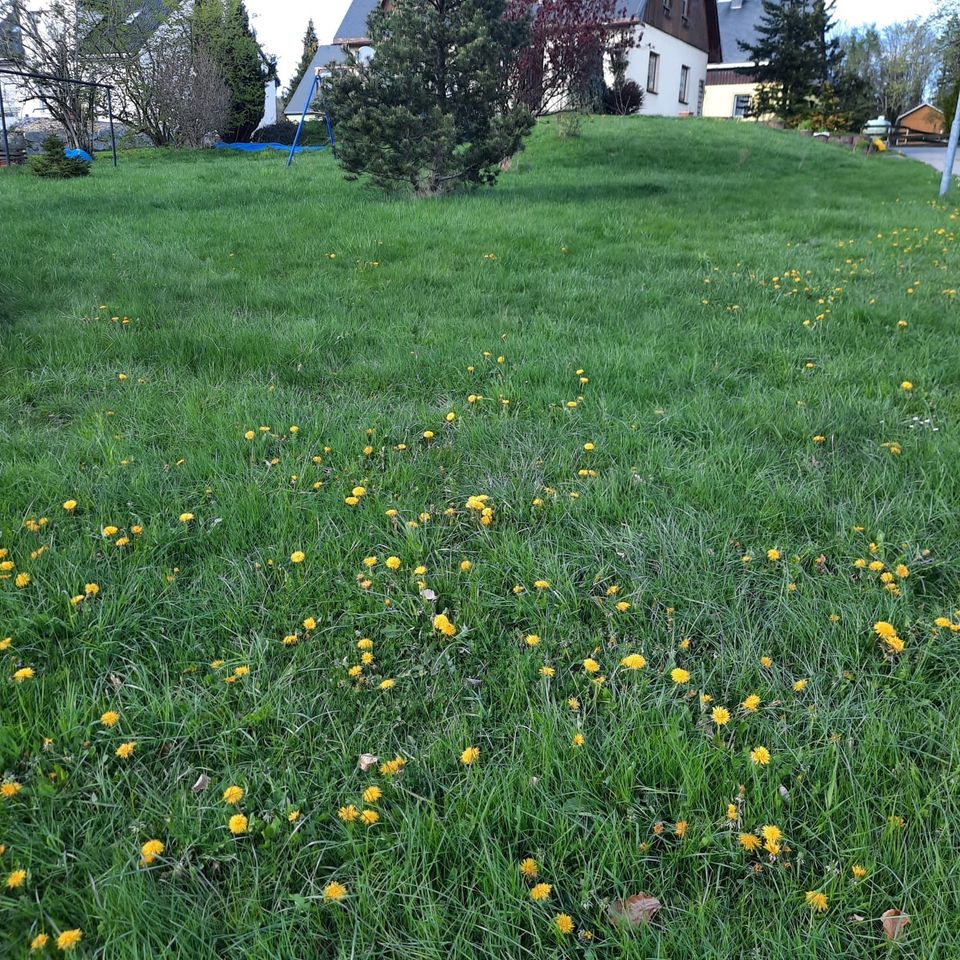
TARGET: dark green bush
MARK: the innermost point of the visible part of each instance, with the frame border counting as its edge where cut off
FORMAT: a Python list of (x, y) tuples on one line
[(314, 133), (52, 162)]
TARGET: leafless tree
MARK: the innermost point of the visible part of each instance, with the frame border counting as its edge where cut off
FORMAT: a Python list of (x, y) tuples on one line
[(168, 86), (54, 44)]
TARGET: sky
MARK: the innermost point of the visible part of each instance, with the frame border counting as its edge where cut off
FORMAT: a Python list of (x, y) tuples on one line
[(280, 24)]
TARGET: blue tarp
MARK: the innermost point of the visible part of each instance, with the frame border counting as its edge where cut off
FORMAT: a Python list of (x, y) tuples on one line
[(78, 155), (257, 147)]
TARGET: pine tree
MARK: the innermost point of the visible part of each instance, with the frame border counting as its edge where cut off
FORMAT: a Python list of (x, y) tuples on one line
[(222, 27), (795, 57), (432, 109), (310, 47)]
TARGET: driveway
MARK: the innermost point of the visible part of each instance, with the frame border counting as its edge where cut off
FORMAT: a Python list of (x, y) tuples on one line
[(935, 157)]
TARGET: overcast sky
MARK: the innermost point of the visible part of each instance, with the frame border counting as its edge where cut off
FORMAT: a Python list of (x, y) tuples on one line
[(280, 24)]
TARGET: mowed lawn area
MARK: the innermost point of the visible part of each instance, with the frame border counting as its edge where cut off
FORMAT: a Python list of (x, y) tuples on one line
[(705, 376)]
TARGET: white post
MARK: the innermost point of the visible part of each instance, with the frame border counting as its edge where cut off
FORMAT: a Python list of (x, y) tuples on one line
[(951, 152)]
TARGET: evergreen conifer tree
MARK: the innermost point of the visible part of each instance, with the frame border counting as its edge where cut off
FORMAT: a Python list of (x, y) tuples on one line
[(310, 47), (795, 55), (432, 109), (222, 27)]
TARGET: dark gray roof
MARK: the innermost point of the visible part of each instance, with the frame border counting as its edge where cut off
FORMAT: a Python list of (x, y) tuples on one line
[(738, 24), (11, 39), (297, 103), (354, 24), (131, 24)]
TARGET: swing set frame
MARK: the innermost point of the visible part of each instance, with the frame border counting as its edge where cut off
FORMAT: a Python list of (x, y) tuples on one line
[(303, 116), (46, 76)]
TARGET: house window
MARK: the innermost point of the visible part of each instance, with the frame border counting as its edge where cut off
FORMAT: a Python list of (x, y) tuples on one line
[(685, 10), (684, 83), (741, 104), (667, 7), (653, 73)]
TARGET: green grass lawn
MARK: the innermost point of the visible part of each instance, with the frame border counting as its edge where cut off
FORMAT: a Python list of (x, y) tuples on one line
[(744, 305)]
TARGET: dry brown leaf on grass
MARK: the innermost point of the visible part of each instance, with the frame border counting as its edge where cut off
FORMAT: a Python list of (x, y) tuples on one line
[(640, 908), (894, 922), (203, 781), (366, 761)]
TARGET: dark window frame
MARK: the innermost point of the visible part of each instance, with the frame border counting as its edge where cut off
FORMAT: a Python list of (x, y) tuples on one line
[(684, 97), (653, 76)]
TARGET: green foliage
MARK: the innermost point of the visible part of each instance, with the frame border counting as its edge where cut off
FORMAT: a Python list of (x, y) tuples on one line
[(795, 57), (222, 27), (432, 109), (54, 165), (948, 77), (310, 47), (702, 410)]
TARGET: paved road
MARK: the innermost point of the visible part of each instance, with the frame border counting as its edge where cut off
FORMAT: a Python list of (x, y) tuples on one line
[(936, 157)]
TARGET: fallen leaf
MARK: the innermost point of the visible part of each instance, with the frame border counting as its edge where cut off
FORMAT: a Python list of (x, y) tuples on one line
[(635, 910), (366, 761), (203, 781), (428, 594), (894, 922), (856, 918)]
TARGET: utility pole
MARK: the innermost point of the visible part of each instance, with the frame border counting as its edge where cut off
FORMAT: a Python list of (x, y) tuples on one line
[(951, 152)]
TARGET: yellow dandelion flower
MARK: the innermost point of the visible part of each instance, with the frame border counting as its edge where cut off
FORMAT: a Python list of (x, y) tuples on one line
[(564, 923), (151, 850), (372, 794), (816, 900), (69, 939), (348, 813), (720, 716), (39, 942), (298, 556), (751, 704), (470, 755), (749, 841), (186, 517), (678, 675), (125, 750), (334, 891), (858, 872), (540, 892), (528, 867), (110, 718), (591, 665), (760, 756), (237, 824), (578, 740), (633, 661), (369, 817), (10, 789), (233, 795), (24, 673), (15, 879)]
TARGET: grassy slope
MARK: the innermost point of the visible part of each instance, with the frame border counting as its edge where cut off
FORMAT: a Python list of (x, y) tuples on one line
[(643, 252)]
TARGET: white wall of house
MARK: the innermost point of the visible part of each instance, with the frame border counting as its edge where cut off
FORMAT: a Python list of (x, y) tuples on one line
[(674, 54), (722, 99)]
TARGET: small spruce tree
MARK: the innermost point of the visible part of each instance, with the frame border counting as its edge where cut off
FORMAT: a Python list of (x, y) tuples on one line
[(432, 109), (54, 164)]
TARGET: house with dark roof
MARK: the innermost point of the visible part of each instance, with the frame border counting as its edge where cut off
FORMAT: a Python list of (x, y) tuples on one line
[(676, 39), (323, 61), (731, 83)]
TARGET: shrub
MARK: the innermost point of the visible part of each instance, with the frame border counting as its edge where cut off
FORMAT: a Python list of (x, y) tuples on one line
[(623, 98), (283, 131), (53, 163)]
